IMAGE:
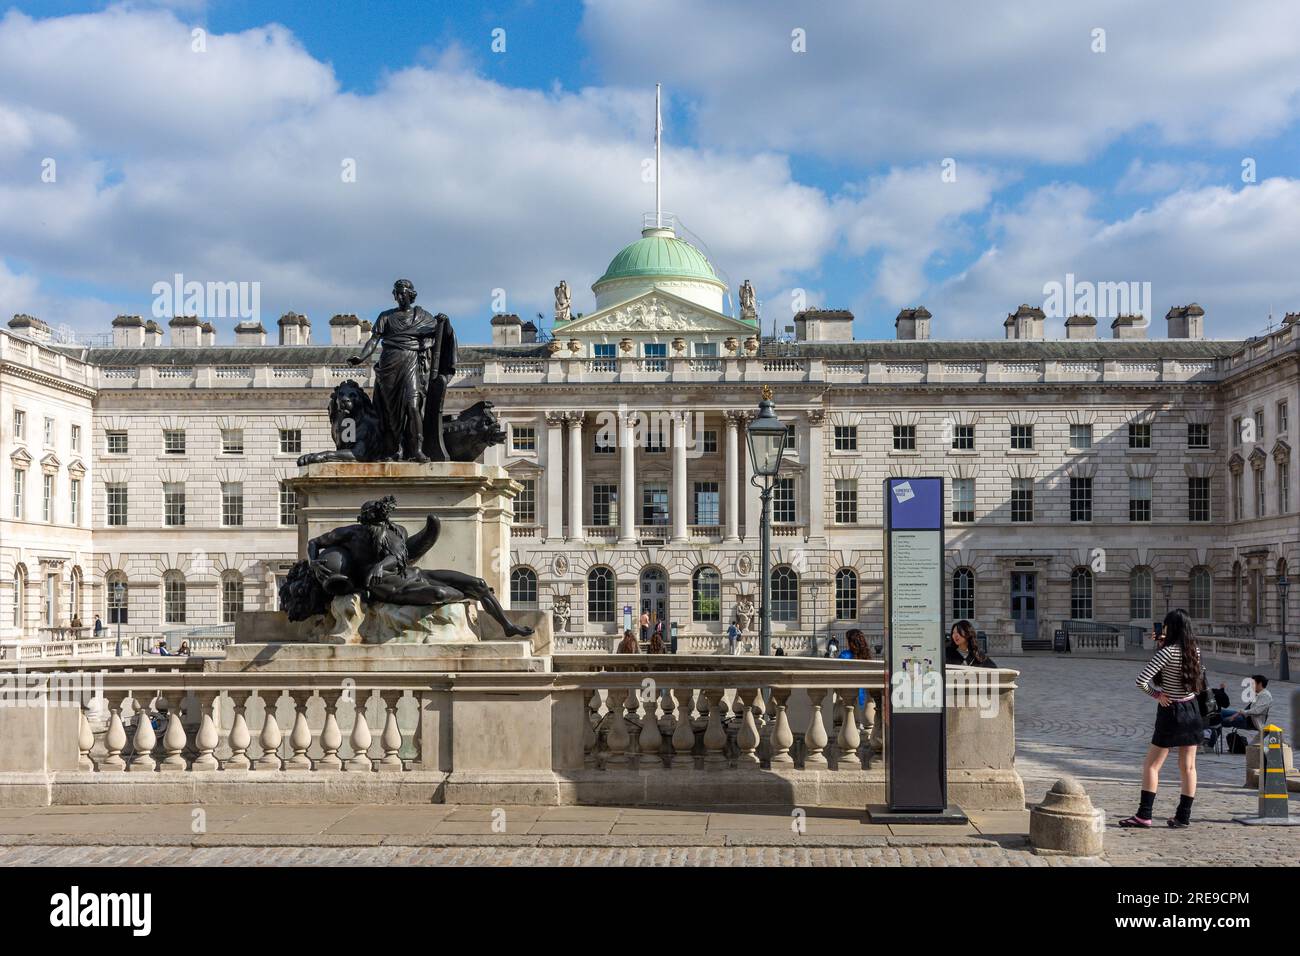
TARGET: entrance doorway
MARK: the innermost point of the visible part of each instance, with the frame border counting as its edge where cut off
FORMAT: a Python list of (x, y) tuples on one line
[(1024, 604), (654, 595)]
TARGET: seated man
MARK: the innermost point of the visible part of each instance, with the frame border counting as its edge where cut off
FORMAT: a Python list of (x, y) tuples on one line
[(1254, 716)]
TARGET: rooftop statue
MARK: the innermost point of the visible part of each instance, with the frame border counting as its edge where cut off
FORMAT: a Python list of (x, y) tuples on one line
[(562, 302), (375, 559), (404, 420)]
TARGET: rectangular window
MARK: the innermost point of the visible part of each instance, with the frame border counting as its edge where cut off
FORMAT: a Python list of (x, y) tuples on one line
[(288, 504), (523, 438), (116, 505), (706, 500), (173, 504), (1260, 510), (904, 438), (1139, 435), (963, 500), (963, 438), (290, 441), (1283, 489), (846, 501), (526, 502), (232, 504), (1238, 509), (706, 349), (1081, 436), (115, 443), (604, 356), (1259, 425), (173, 441), (602, 443), (76, 438), (48, 434), (846, 437), (1198, 499), (1198, 435), (656, 433), (604, 505), (791, 443), (1022, 499), (654, 504), (232, 441), (783, 501), (709, 441), (20, 494), (1237, 431), (1080, 499), (47, 498), (656, 354), (1139, 499), (1022, 437), (74, 501), (20, 425), (1283, 419)]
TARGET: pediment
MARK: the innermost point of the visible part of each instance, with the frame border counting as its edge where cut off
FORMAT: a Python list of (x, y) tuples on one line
[(76, 468), (50, 463), (656, 311), (20, 458)]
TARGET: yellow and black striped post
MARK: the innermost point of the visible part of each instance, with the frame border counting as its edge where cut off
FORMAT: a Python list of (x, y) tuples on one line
[(1273, 803)]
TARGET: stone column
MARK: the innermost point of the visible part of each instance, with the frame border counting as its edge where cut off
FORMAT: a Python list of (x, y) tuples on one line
[(680, 507), (816, 479), (554, 476), (576, 487), (627, 483), (733, 479)]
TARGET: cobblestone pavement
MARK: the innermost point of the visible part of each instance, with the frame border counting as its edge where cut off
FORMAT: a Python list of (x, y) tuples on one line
[(1078, 717)]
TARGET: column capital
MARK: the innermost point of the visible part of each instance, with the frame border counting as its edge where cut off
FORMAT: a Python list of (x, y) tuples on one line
[(555, 419), (816, 416), (575, 418)]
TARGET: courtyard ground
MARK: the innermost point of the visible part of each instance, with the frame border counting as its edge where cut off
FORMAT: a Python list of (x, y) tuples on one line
[(1075, 717)]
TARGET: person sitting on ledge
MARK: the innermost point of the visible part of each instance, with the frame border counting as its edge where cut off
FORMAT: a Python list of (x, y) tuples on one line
[(629, 644), (1254, 716), (376, 558), (964, 647)]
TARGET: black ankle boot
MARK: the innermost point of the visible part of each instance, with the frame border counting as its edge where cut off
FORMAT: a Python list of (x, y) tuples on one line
[(1182, 817)]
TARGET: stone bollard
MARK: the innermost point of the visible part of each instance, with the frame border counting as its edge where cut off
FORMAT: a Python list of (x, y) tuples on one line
[(1066, 823)]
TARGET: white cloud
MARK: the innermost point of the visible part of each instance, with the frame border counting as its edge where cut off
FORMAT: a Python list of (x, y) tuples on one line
[(1232, 251), (1161, 176), (955, 78)]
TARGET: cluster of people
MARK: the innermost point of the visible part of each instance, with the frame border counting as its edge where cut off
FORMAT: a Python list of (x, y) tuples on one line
[(630, 645)]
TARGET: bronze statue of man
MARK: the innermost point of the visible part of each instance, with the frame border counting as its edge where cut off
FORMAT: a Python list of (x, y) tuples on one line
[(415, 367)]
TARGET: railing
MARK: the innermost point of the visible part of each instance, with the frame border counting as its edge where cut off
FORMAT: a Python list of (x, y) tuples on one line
[(705, 531), (600, 531), (653, 532), (134, 646), (1101, 638)]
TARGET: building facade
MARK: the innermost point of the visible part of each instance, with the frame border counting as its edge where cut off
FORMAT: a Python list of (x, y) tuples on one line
[(1088, 479)]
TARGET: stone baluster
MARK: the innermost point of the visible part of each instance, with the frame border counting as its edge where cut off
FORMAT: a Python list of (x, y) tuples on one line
[(878, 726), (271, 735), (85, 738), (715, 736), (144, 740), (747, 737), (360, 739), (631, 714), (114, 740), (848, 738), (815, 738), (782, 737), (240, 737), (667, 723), (206, 737), (391, 737), (590, 739), (174, 737), (651, 742), (617, 739), (869, 714), (331, 738), (300, 735), (702, 709), (683, 733)]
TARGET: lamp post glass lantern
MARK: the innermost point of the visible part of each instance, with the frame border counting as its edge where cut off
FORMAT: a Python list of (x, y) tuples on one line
[(1168, 587), (1284, 659), (766, 439)]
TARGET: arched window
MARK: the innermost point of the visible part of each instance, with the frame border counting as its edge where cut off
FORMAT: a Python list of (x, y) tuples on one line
[(232, 596), (523, 588), (173, 598), (1198, 588), (20, 595), (1081, 594), (846, 595), (785, 594), (116, 590), (600, 595), (1140, 583), (706, 594), (74, 593), (963, 594)]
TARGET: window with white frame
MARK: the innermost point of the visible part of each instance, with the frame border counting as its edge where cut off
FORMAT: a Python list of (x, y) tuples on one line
[(783, 511), (846, 437), (1140, 586), (904, 438), (604, 505), (1139, 436), (1198, 435), (846, 595), (1283, 418), (785, 594), (706, 499), (846, 501), (526, 502), (20, 425), (47, 498), (1081, 594), (20, 493), (74, 501), (1283, 487), (1198, 587), (1081, 436), (1238, 498), (290, 441), (232, 504), (118, 598), (173, 441), (232, 441), (706, 595), (1022, 499), (1259, 493), (963, 438), (173, 598), (523, 588), (232, 597), (115, 443), (1022, 437), (115, 504), (1080, 499), (1198, 499), (963, 594), (173, 504), (654, 504), (75, 438), (963, 500), (1139, 499), (600, 595), (709, 441), (523, 439), (47, 433)]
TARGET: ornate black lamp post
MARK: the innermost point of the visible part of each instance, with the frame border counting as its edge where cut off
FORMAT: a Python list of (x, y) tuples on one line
[(766, 437), (1168, 587), (119, 591), (1284, 662)]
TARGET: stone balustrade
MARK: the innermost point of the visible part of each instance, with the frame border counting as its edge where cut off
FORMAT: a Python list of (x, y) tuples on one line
[(599, 728)]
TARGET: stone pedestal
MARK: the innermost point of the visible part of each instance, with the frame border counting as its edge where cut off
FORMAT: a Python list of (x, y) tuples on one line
[(1066, 823), (474, 502)]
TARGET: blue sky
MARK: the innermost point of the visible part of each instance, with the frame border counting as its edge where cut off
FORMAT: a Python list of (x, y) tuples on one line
[(816, 171)]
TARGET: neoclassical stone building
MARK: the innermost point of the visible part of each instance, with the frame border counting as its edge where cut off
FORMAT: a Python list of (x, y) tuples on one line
[(146, 481)]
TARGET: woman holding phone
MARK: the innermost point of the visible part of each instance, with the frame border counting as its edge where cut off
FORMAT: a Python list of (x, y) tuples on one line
[(1173, 677)]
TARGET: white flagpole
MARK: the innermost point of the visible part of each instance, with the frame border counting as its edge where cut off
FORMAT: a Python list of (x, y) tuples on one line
[(659, 221)]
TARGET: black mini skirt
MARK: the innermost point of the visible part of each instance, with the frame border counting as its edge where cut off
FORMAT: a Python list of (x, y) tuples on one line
[(1178, 725)]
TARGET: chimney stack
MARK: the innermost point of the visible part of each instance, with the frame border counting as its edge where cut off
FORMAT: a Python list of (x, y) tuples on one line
[(128, 332), (912, 324), (185, 331), (1080, 327), (824, 325), (30, 327), (295, 329), (345, 330), (1129, 327), (506, 329), (207, 334), (153, 334), (1186, 322), (250, 333), (1025, 323)]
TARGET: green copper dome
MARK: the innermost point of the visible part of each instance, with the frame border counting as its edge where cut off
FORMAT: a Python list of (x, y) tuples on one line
[(659, 253)]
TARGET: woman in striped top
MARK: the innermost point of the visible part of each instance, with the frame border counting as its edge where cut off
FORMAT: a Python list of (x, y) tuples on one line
[(1173, 677)]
